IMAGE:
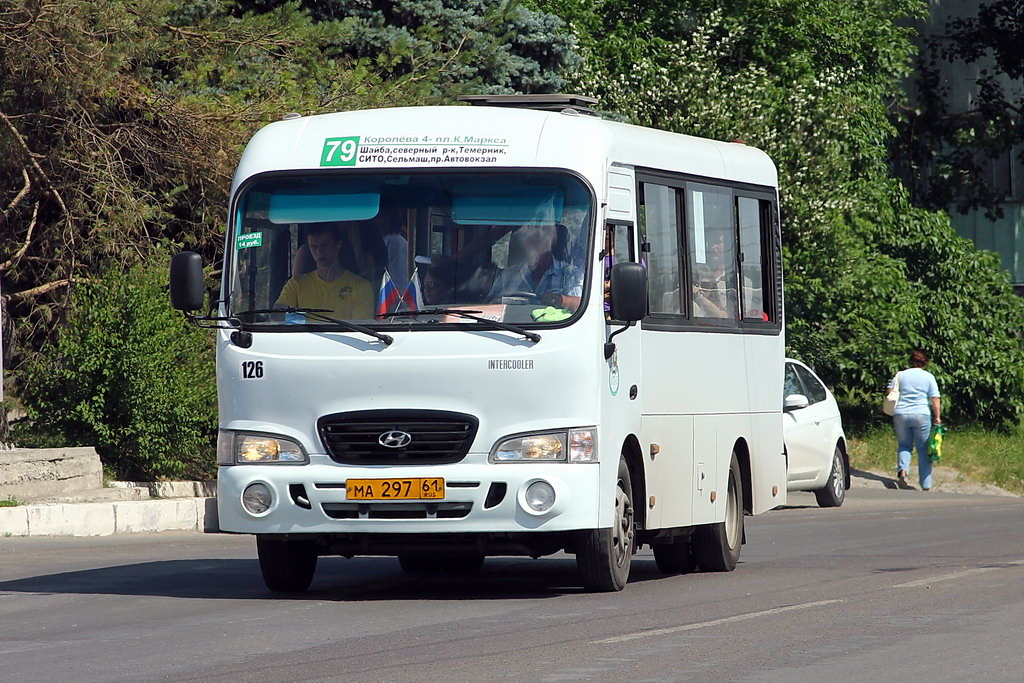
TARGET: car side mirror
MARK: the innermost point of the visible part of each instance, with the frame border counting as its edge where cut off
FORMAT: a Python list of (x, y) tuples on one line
[(629, 292), (795, 402), (187, 291)]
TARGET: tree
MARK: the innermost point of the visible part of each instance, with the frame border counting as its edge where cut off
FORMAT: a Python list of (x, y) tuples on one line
[(945, 152), (493, 46)]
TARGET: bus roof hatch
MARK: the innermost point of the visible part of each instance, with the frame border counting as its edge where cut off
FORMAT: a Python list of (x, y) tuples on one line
[(549, 102)]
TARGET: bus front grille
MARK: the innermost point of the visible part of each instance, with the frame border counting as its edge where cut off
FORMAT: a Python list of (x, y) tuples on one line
[(397, 511), (397, 437)]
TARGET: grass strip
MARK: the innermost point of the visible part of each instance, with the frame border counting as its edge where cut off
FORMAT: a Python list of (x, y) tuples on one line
[(985, 456)]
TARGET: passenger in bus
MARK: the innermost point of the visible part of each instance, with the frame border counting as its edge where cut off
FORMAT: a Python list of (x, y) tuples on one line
[(714, 292), (439, 282), (705, 304), (544, 270), (476, 287), (397, 247), (331, 286)]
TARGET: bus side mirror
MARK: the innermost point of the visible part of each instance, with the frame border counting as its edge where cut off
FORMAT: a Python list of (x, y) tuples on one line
[(187, 292), (629, 292)]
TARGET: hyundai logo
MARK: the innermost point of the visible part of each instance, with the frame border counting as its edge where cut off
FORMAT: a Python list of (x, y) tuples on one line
[(395, 439)]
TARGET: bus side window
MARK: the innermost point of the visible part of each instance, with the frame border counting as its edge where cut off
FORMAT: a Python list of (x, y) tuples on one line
[(618, 248), (755, 228), (711, 237), (659, 227)]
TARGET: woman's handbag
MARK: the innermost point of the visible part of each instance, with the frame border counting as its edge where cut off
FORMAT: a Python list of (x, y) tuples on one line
[(889, 404)]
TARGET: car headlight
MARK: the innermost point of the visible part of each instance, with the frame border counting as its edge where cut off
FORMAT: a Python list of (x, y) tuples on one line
[(239, 448), (572, 445)]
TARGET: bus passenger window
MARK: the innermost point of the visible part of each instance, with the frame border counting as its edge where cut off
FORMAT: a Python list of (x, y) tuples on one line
[(659, 226), (755, 220), (712, 246)]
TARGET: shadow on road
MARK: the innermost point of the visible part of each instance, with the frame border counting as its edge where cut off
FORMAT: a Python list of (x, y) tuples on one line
[(887, 482), (337, 579)]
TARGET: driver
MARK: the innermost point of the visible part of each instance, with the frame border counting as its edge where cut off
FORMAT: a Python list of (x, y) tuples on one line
[(330, 286), (551, 279)]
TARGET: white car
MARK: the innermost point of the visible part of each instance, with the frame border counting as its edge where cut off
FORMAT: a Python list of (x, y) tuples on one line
[(816, 456)]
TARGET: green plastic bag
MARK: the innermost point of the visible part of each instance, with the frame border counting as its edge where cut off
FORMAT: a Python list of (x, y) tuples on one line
[(935, 443), (550, 314)]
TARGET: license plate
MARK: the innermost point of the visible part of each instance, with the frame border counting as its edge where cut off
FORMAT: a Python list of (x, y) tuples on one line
[(417, 488)]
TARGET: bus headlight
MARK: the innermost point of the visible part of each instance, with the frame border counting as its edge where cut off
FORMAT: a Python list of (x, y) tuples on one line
[(573, 445), (241, 448)]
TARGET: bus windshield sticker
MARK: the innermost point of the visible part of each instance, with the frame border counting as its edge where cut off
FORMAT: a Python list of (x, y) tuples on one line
[(413, 149), (489, 311), (249, 239)]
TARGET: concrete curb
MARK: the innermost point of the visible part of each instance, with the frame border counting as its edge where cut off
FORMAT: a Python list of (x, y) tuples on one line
[(105, 519)]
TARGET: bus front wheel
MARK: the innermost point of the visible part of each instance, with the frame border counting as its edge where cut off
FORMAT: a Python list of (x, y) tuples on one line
[(717, 546), (287, 564), (604, 555)]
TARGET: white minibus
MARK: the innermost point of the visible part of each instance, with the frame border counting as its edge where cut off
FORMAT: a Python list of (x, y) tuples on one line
[(509, 328)]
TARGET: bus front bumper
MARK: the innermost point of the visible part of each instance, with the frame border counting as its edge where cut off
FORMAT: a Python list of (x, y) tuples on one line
[(478, 498)]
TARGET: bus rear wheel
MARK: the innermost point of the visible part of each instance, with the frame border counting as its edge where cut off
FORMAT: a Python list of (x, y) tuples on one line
[(717, 546), (604, 555), (287, 564)]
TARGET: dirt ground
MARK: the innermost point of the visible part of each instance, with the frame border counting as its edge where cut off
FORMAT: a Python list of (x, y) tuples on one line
[(945, 479)]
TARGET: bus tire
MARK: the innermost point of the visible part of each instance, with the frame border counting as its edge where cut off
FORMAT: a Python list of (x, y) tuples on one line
[(462, 565), (675, 557), (834, 492), (604, 555), (717, 546), (287, 564)]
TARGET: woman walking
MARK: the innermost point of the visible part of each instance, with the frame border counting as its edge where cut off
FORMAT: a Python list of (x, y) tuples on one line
[(912, 420)]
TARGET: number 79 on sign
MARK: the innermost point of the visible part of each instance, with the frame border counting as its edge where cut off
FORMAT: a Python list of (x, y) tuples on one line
[(340, 151)]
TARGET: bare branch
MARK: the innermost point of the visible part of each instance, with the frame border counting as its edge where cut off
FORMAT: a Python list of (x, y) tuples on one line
[(35, 164), (6, 265), (42, 289), (21, 195)]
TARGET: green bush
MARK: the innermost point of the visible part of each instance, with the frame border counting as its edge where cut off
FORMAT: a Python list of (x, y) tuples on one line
[(129, 376)]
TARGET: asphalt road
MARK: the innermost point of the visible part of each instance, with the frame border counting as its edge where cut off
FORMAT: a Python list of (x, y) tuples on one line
[(895, 585)]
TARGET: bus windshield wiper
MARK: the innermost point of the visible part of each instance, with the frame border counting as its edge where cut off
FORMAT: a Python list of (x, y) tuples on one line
[(469, 314), (318, 314)]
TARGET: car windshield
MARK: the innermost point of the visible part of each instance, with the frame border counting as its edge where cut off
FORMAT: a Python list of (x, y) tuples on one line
[(508, 247)]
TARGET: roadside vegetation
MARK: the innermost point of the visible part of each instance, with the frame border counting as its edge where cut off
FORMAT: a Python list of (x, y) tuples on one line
[(121, 122), (983, 455)]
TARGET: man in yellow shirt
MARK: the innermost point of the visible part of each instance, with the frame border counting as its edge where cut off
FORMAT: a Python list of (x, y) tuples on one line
[(346, 295)]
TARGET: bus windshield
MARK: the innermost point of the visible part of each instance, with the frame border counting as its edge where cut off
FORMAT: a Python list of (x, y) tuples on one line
[(399, 249)]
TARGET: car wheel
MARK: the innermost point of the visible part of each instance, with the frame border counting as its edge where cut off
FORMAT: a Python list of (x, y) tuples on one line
[(717, 546), (604, 555), (834, 492), (287, 564)]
